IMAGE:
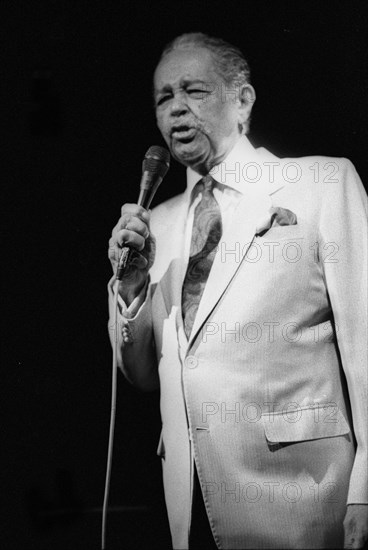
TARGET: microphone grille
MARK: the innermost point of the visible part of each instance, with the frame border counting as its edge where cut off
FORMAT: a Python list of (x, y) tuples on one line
[(157, 160)]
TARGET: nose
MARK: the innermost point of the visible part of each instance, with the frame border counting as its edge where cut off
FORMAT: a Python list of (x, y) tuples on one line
[(178, 105)]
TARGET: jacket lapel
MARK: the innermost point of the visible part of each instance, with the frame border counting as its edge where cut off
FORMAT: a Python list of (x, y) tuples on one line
[(171, 276)]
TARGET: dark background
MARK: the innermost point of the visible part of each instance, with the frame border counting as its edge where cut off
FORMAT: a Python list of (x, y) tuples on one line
[(76, 120)]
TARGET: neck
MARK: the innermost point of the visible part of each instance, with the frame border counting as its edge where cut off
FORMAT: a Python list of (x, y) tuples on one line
[(205, 165)]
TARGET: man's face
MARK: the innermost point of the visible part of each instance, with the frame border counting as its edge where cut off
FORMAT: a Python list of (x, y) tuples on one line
[(197, 113)]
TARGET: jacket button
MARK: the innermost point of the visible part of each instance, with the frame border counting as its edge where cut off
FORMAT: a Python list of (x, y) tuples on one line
[(191, 362)]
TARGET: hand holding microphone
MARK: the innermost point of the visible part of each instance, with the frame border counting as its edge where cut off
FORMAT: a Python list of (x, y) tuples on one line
[(132, 246)]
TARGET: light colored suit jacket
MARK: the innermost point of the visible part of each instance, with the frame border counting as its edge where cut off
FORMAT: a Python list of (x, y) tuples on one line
[(268, 396)]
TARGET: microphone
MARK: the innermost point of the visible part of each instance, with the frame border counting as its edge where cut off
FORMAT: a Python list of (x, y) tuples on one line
[(155, 165)]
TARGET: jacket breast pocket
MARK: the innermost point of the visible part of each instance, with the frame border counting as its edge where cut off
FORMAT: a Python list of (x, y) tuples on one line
[(304, 424), (282, 233)]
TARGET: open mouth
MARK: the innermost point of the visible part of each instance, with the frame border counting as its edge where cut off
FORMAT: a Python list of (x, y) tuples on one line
[(185, 134)]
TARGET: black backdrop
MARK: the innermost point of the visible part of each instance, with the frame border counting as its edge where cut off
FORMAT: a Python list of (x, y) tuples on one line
[(76, 120)]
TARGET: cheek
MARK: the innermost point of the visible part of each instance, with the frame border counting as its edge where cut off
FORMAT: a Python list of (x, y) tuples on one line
[(208, 117), (215, 114), (226, 119), (160, 121)]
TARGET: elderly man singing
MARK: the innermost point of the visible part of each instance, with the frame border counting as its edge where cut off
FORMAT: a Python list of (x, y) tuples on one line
[(246, 306)]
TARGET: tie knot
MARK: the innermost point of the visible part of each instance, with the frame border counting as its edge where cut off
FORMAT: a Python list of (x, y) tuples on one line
[(205, 186), (207, 182)]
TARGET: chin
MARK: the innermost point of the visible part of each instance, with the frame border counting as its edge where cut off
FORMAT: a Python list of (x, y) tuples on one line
[(190, 156)]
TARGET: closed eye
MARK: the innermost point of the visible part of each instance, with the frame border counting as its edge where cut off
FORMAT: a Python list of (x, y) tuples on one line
[(162, 100), (197, 92)]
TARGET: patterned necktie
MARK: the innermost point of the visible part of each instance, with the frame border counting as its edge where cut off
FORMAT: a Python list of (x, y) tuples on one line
[(206, 234)]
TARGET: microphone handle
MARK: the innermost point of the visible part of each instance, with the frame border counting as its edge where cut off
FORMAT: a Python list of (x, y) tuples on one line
[(123, 262)]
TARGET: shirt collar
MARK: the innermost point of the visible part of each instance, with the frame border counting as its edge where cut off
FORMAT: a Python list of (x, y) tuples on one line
[(231, 171)]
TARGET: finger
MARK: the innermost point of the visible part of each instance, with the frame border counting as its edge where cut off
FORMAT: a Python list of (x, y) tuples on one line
[(138, 261), (133, 223), (353, 539), (354, 544), (135, 210), (125, 237), (114, 253)]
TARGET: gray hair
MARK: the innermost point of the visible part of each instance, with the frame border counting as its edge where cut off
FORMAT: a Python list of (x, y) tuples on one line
[(229, 60)]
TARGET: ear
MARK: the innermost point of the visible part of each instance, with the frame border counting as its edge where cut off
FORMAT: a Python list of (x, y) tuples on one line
[(247, 97)]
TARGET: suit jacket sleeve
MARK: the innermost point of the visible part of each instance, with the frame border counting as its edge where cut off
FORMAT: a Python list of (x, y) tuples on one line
[(137, 357), (343, 238)]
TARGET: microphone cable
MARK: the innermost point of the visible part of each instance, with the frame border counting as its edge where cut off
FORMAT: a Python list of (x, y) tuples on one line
[(154, 168), (114, 371)]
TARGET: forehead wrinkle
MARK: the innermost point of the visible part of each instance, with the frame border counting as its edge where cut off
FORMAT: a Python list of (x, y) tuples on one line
[(177, 67)]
